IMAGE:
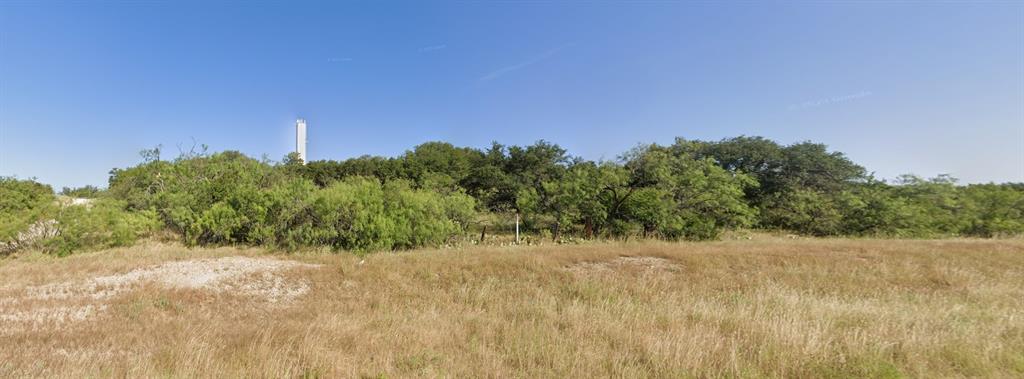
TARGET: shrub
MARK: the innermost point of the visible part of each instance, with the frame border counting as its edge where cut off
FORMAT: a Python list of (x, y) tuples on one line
[(803, 211), (991, 210), (88, 192), (104, 223), (22, 204), (688, 190), (361, 214), (228, 198)]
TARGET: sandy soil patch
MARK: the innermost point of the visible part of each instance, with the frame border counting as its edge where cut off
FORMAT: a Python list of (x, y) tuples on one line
[(62, 302)]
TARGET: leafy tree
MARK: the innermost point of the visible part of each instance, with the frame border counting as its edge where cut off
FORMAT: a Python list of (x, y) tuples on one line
[(88, 191), (686, 190), (811, 165), (361, 214), (104, 223), (802, 210), (228, 198), (877, 209), (707, 198), (323, 173), (786, 175), (22, 203), (439, 165), (935, 202), (652, 209), (991, 210), (292, 159), (574, 199), (759, 157), (698, 196), (490, 182)]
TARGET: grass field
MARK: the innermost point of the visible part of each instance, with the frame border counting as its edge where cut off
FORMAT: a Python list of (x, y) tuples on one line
[(760, 308)]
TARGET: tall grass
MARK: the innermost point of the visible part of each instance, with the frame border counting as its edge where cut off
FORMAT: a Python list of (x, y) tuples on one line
[(763, 308)]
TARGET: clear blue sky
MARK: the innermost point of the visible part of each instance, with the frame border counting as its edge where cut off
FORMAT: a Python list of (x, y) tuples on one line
[(912, 87)]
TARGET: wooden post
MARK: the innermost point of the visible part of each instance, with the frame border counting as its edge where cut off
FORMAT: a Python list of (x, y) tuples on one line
[(483, 234), (517, 228)]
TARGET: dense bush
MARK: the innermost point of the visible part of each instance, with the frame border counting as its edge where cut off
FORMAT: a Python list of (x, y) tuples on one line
[(990, 210), (30, 210), (228, 198), (22, 203), (696, 189), (87, 192), (103, 223), (436, 192), (363, 214)]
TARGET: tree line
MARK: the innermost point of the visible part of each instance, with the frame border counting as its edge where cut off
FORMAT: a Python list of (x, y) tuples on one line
[(437, 193), (695, 190)]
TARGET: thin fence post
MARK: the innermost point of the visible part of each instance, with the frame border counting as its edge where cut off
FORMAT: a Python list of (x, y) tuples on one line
[(517, 228)]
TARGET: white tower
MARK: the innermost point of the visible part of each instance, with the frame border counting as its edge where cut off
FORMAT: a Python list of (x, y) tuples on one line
[(300, 139)]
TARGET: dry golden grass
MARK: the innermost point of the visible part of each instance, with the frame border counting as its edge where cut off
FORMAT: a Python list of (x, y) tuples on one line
[(761, 308)]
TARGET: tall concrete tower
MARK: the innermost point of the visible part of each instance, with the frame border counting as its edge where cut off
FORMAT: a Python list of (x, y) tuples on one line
[(300, 139)]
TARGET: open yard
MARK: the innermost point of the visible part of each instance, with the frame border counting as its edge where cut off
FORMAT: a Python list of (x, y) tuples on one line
[(760, 308)]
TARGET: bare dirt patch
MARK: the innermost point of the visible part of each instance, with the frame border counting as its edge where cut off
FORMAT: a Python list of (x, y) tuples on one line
[(641, 264), (62, 302)]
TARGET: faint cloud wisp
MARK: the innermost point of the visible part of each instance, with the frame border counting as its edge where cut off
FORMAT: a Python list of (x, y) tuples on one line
[(830, 100), (335, 60), (427, 49), (505, 70)]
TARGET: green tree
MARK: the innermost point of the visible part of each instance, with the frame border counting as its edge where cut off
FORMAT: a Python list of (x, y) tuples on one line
[(935, 202), (803, 211), (703, 198), (439, 165), (878, 210), (22, 203), (991, 210)]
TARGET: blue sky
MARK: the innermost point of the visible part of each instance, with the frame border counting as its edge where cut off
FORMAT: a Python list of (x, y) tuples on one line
[(901, 88)]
